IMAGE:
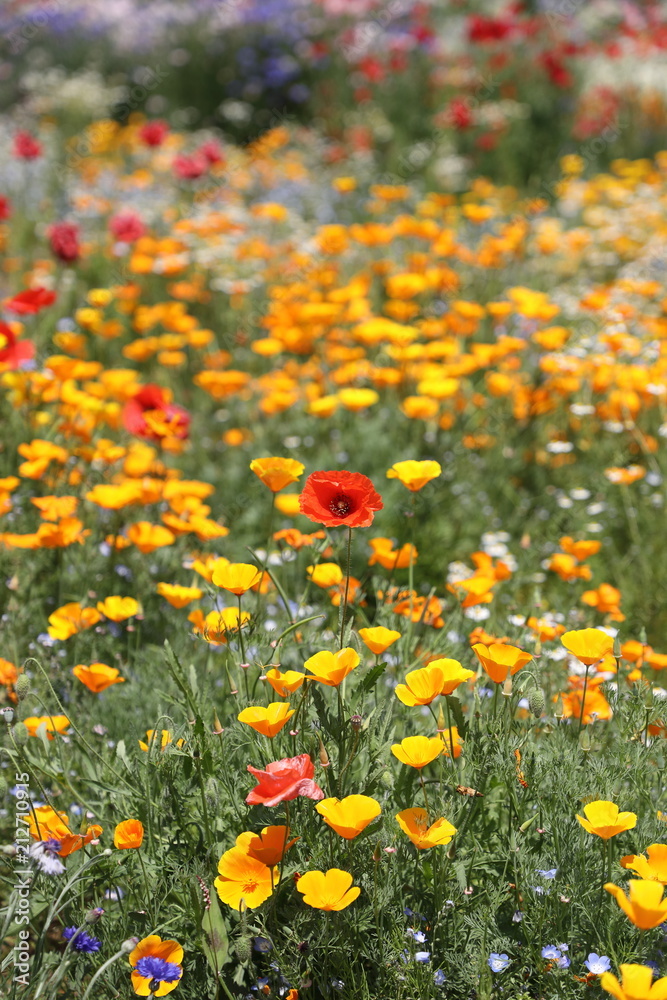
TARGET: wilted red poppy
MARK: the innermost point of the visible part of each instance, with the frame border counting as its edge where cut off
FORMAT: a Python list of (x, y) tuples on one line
[(283, 781), (13, 352), (334, 498), (64, 241), (31, 301), (150, 408)]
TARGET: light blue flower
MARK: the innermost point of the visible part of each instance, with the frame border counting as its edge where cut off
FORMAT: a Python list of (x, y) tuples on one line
[(418, 936), (597, 964), (422, 956), (439, 978), (551, 952), (548, 872), (498, 963)]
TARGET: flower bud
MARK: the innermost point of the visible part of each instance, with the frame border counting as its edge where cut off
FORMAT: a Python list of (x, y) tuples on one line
[(377, 853), (537, 702), (441, 720), (507, 688), (7, 714), (20, 734), (585, 740), (324, 756), (243, 949), (355, 722), (22, 686), (616, 650), (94, 915), (129, 945), (559, 710)]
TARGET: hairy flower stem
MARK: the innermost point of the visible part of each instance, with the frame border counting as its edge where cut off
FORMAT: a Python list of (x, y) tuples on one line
[(583, 702), (347, 588)]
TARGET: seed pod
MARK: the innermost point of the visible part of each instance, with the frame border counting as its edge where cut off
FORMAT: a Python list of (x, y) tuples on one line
[(537, 702), (243, 949), (22, 686), (20, 734)]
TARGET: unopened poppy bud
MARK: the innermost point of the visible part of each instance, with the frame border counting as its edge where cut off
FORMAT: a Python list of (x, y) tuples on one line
[(7, 714), (94, 915), (324, 756), (22, 686), (451, 851), (525, 826), (243, 949), (537, 649), (355, 722), (441, 720), (377, 853), (129, 945), (559, 710), (20, 734), (642, 636), (616, 649), (537, 702), (585, 740), (217, 726), (507, 688), (387, 779)]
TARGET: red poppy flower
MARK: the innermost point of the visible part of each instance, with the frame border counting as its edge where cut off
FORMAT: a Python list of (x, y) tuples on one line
[(334, 498), (31, 301), (64, 240), (283, 781), (26, 146), (5, 208), (189, 168), (150, 414), (13, 352), (154, 133), (126, 227)]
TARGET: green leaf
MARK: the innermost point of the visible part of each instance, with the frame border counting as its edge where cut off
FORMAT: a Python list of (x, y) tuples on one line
[(121, 753), (372, 677), (215, 944), (457, 714)]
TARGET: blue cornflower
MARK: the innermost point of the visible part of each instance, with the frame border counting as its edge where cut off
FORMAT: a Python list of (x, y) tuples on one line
[(597, 964), (157, 969), (551, 952), (82, 942), (498, 963)]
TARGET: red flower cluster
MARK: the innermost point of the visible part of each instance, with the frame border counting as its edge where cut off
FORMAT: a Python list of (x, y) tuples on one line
[(335, 498), (64, 241), (283, 781)]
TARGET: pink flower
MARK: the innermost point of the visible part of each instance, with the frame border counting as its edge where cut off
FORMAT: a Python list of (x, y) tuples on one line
[(212, 151), (189, 168), (283, 781)]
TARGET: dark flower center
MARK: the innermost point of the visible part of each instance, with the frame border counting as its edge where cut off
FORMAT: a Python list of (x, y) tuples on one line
[(341, 505)]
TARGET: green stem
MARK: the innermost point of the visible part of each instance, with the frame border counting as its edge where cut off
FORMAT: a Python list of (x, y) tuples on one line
[(347, 587)]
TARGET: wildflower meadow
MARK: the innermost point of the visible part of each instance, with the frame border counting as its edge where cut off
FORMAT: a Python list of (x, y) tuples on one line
[(333, 551)]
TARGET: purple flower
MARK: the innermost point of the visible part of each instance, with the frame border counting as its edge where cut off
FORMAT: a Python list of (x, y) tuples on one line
[(81, 941)]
